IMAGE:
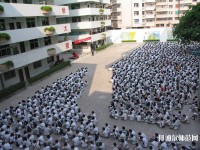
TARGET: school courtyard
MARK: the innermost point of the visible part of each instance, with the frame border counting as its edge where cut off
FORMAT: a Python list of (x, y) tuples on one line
[(97, 95)]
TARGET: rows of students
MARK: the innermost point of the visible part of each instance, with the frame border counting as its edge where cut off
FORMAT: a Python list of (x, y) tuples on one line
[(152, 82)]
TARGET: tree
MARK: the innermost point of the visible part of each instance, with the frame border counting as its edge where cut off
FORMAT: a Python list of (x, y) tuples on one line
[(188, 29)]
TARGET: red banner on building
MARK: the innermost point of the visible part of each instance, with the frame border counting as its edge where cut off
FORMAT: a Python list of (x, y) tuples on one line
[(82, 40)]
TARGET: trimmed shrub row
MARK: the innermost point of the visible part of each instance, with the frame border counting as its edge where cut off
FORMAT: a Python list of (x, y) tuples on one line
[(8, 63), (1, 8), (46, 8), (4, 36), (104, 46), (176, 40), (128, 40), (151, 40), (50, 71), (52, 29), (9, 90)]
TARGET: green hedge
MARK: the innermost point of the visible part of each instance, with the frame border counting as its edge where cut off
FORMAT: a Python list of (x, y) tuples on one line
[(128, 40), (9, 90), (104, 46), (175, 40), (46, 8), (4, 36), (1, 8), (52, 29), (50, 71), (151, 40)]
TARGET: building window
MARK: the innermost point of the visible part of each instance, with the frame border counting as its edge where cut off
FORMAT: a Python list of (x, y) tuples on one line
[(11, 26), (47, 40), (2, 25), (78, 19), (30, 22), (37, 64), (45, 21), (27, 1), (10, 74), (50, 59), (143, 13), (136, 13), (170, 0), (136, 4), (15, 50), (170, 6), (18, 25), (33, 43), (142, 4), (136, 21), (43, 2), (75, 6), (170, 12), (4, 50)]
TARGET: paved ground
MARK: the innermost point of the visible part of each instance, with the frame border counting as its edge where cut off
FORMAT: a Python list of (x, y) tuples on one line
[(97, 95)]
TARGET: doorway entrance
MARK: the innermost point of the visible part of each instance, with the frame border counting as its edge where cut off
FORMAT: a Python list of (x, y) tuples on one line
[(21, 75), (27, 73)]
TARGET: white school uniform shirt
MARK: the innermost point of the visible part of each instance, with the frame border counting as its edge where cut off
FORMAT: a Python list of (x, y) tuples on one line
[(83, 144), (76, 141), (139, 147), (105, 133), (132, 116), (145, 141), (138, 117), (47, 148), (164, 146), (7, 146), (50, 140), (155, 145)]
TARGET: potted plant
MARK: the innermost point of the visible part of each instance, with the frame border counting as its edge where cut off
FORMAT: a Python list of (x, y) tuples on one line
[(103, 36), (4, 37), (49, 30), (101, 11), (6, 65), (102, 23), (1, 9), (51, 51), (46, 9)]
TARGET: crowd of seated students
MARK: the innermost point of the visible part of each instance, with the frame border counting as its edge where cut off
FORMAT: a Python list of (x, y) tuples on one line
[(152, 82), (51, 119)]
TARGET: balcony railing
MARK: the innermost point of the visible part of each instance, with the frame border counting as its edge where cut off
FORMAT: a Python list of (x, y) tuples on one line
[(61, 2), (28, 57), (25, 34), (88, 11), (95, 37), (150, 15), (150, 1), (149, 7), (27, 10), (90, 24)]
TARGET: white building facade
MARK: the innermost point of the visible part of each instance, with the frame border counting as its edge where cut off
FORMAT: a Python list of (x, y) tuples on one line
[(148, 13), (34, 42), (89, 19)]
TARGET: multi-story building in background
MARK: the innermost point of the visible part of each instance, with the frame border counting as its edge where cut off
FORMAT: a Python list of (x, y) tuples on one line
[(29, 38), (148, 13), (89, 20)]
